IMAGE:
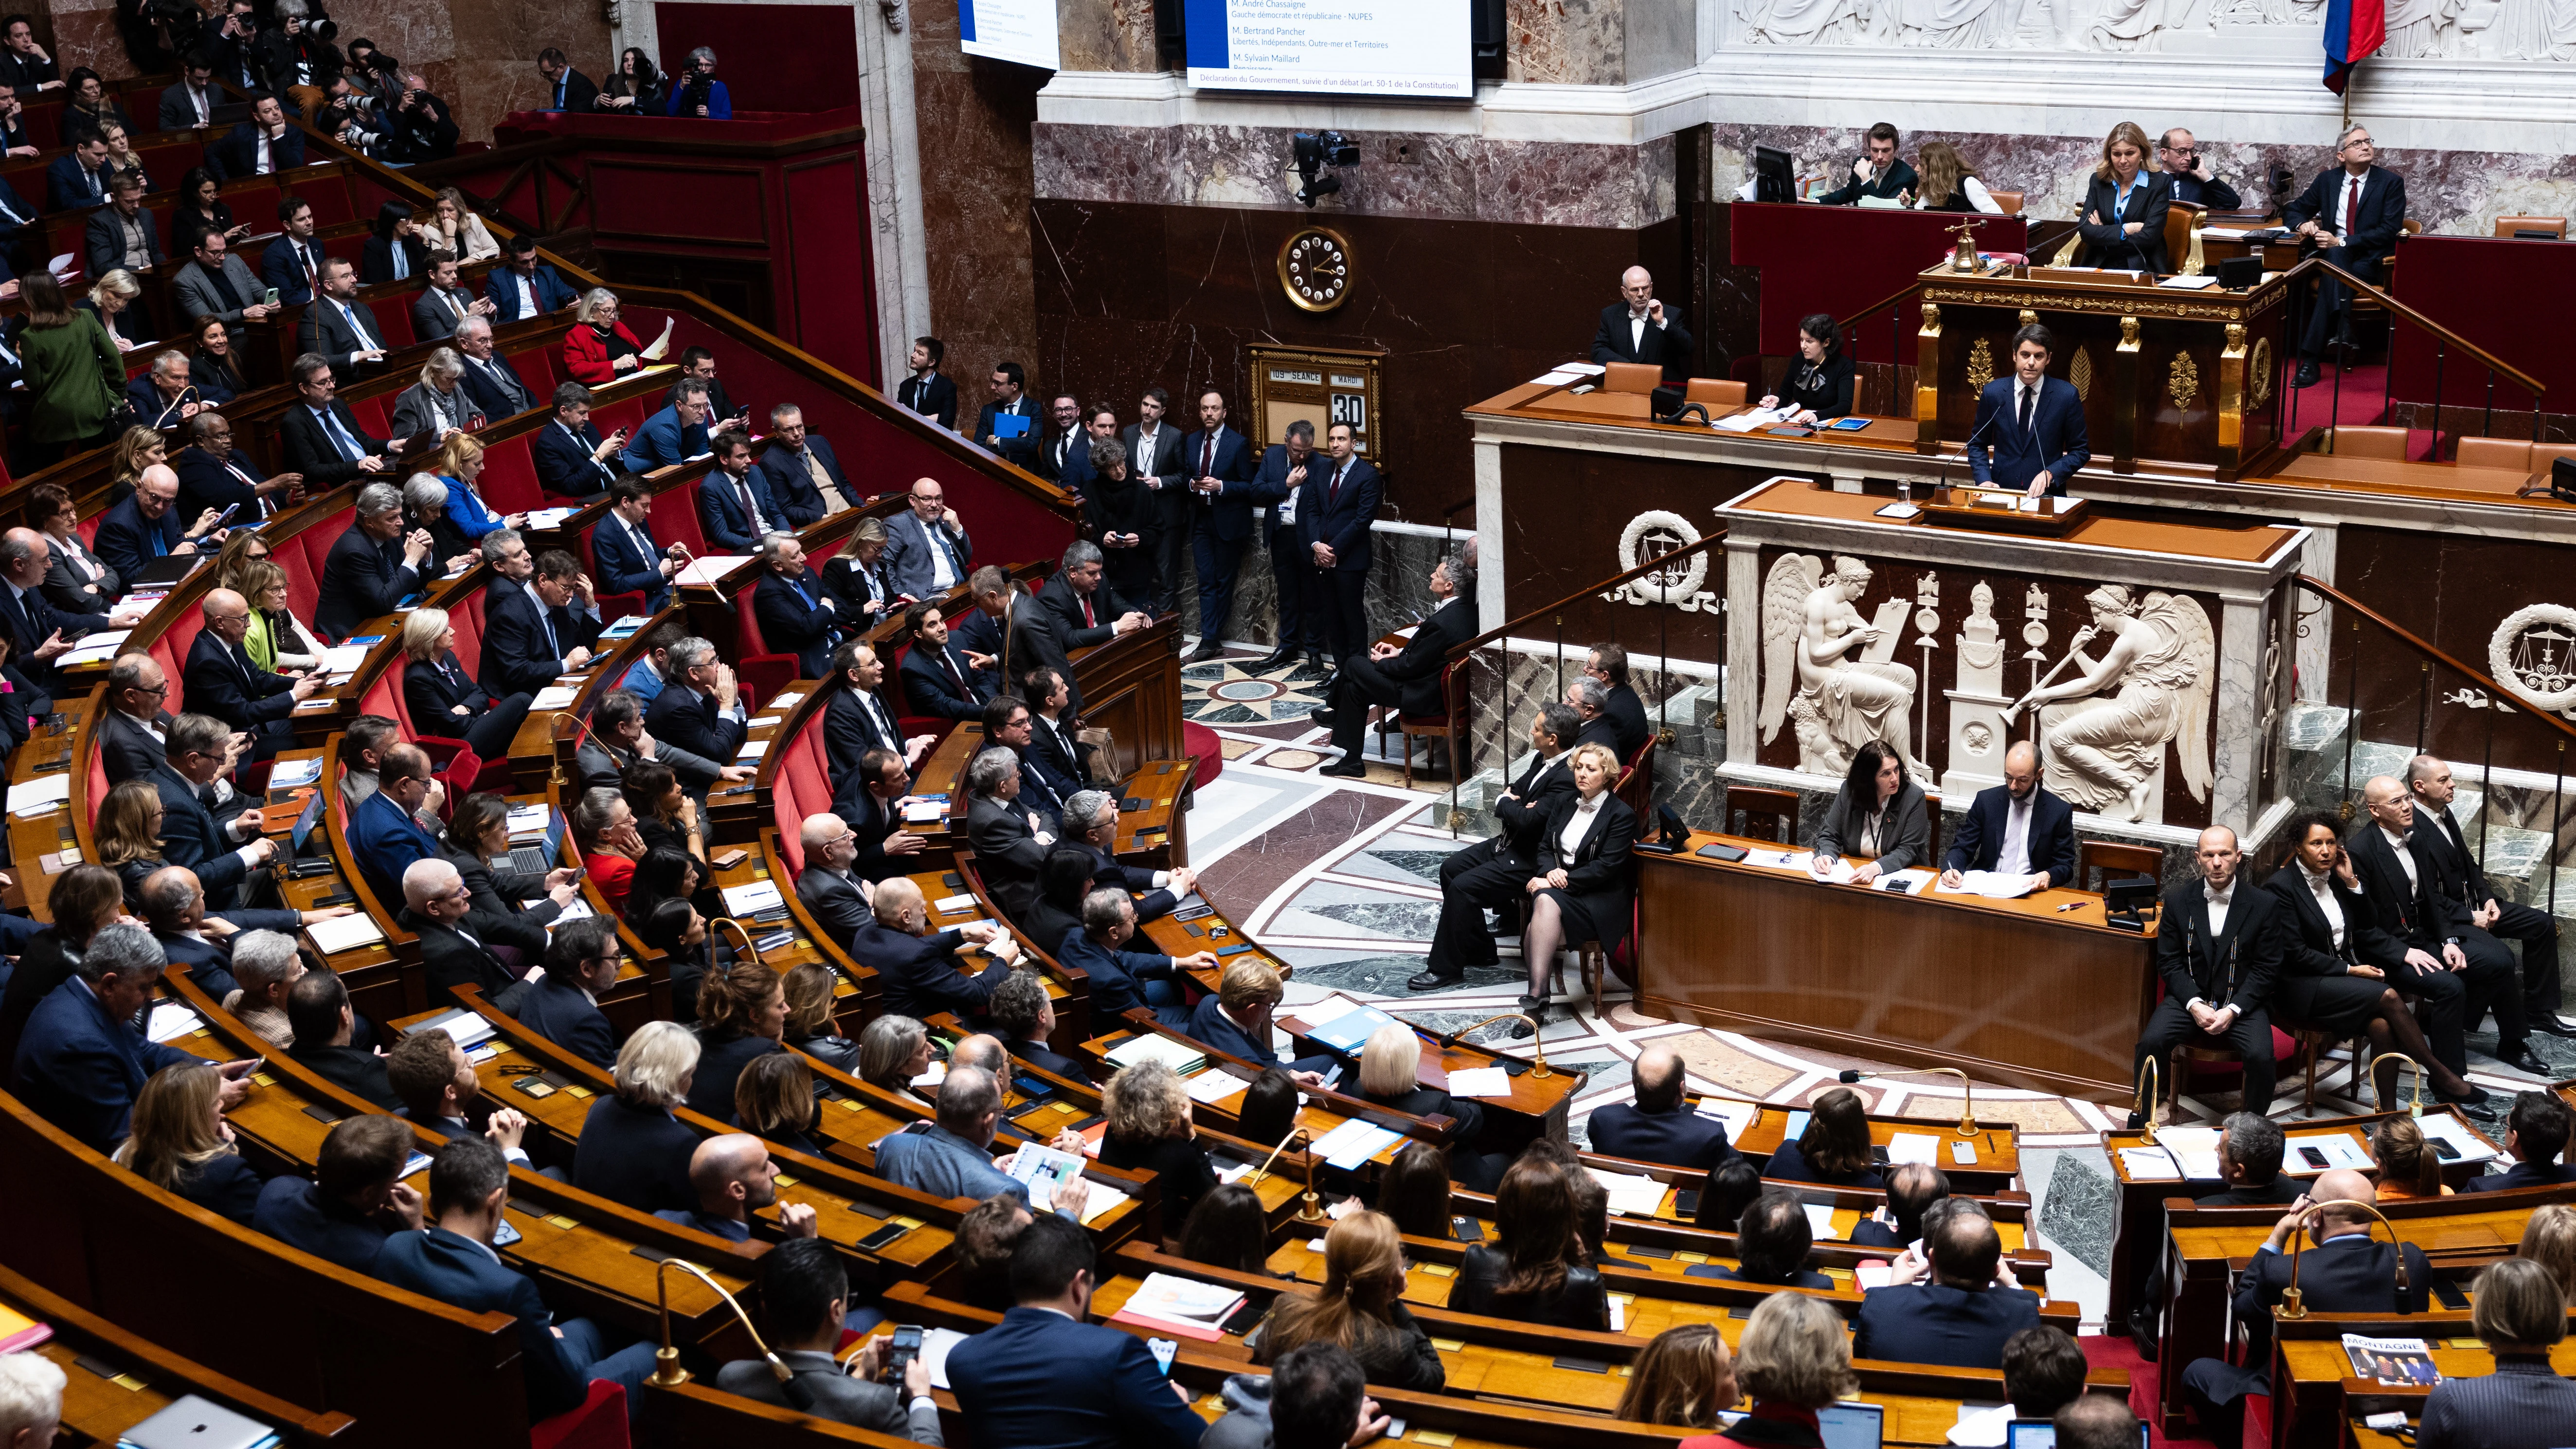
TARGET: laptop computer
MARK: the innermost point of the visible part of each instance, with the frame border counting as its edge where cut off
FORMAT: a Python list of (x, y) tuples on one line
[(540, 859), (193, 1423), (1848, 1425), (2042, 1434)]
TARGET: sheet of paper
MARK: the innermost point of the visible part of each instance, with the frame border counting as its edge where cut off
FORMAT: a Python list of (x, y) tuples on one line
[(1906, 1147), (1736, 1115), (549, 517), (1353, 1143), (711, 569), (171, 1021), (2338, 1148), (1820, 1221), (465, 1028), (927, 812), (768, 719), (288, 774), (2195, 1148), (1838, 872), (529, 820), (343, 933), (752, 750), (2189, 284), (40, 795), (1777, 859), (949, 905), (747, 900), (1988, 883), (1917, 880), (1585, 369), (1632, 1195), (61, 266), (2443, 1127), (1211, 1087), (784, 700), (553, 696), (935, 1344), (2149, 1164), (1480, 1082)]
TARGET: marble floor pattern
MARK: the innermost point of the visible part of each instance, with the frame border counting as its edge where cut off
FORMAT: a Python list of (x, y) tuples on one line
[(1341, 879)]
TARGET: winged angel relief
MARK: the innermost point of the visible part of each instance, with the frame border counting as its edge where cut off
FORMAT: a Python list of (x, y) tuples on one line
[(2105, 753), (1826, 670)]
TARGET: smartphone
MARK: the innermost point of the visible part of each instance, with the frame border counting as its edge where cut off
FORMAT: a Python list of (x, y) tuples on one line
[(743, 413), (1466, 1230), (900, 1353), (580, 873), (2313, 1158), (268, 297), (2445, 1150), (227, 515)]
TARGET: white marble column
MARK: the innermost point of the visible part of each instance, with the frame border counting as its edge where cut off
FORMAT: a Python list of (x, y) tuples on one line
[(2316, 616), (1743, 649), (2236, 762)]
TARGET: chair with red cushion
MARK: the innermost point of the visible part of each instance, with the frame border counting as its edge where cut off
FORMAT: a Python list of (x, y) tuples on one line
[(509, 478), (598, 1423), (764, 677)]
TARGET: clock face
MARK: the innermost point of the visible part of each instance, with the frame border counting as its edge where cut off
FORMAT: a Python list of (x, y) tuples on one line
[(1316, 269)]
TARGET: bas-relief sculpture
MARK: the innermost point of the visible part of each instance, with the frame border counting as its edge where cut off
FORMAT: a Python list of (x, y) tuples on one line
[(2107, 754), (1838, 703), (2532, 30)]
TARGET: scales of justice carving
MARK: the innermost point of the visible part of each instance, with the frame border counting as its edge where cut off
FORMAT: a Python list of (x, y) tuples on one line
[(2103, 721)]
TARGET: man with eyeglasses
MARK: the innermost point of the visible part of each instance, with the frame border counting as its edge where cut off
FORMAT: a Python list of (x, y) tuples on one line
[(2179, 153), (2354, 211), (223, 681), (40, 633), (382, 833), (372, 566), (436, 902), (215, 474), (873, 807), (144, 528), (701, 709), (540, 616), (927, 550), (216, 836), (563, 1004), (322, 437), (134, 731), (837, 899)]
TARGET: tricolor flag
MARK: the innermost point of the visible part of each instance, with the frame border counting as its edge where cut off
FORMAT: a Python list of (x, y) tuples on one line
[(2354, 29)]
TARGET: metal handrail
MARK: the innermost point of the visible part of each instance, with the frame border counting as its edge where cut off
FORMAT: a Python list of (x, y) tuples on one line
[(1615, 580), (2515, 375), (1890, 300), (2479, 677)]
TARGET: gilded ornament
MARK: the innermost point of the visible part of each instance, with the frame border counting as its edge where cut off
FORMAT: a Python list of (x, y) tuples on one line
[(1981, 365), (2128, 334), (2029, 318), (2080, 373), (2259, 371), (2182, 380)]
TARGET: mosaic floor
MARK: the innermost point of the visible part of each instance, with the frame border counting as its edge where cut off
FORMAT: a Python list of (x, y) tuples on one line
[(1341, 878)]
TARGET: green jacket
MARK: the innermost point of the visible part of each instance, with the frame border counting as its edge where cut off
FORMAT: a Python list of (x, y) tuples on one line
[(76, 377)]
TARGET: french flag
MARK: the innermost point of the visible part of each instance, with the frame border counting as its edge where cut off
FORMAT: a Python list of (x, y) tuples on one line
[(2354, 29)]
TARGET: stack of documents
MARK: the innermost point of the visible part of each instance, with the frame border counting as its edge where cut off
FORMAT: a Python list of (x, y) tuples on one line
[(1183, 1305), (1354, 1143), (1214, 1086), (2194, 1149), (171, 1021), (343, 933), (2149, 1164), (1172, 1052), (1480, 1082), (1906, 1147), (752, 899), (1632, 1195), (294, 774), (465, 1028), (1348, 1029), (41, 796)]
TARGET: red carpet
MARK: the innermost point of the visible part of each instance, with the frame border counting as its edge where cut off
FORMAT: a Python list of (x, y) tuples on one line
[(2114, 1351)]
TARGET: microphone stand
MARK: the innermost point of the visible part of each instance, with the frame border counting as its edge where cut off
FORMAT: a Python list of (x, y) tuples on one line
[(1311, 1210), (667, 1372), (2293, 1303), (581, 728), (1941, 484), (1968, 1100)]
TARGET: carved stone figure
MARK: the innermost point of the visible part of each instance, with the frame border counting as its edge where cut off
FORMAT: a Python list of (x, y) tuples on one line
[(1810, 632), (2107, 754), (1981, 653)]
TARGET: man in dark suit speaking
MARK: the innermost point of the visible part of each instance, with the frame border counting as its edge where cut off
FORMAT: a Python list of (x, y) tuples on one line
[(1223, 496), (1409, 678), (2016, 828), (2032, 423), (2355, 212), (1638, 329)]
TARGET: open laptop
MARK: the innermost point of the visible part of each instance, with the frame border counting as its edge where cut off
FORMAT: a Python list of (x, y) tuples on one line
[(540, 859), (2042, 1434), (1849, 1425)]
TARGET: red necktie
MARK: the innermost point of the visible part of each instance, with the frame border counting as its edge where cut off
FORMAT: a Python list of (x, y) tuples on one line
[(1207, 456), (1088, 621), (2351, 206)]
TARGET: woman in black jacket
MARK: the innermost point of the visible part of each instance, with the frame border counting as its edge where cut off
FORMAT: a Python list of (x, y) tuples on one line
[(447, 703), (1819, 386), (1834, 1149), (1360, 1307), (2124, 208), (636, 89), (2335, 960), (395, 229), (664, 814), (773, 1100), (1149, 1131), (741, 1012), (809, 1017), (511, 907), (1535, 1270), (182, 1144), (1120, 515), (201, 209), (1586, 877), (1391, 1076)]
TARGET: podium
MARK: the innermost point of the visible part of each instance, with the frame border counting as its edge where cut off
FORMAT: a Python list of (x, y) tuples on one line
[(2180, 378)]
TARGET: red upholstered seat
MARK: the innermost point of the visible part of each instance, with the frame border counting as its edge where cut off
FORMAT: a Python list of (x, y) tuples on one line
[(87, 528), (328, 198), (374, 415), (1206, 749), (466, 618), (764, 676), (98, 786), (599, 1423), (385, 698), (802, 786), (628, 414), (393, 316), (509, 480), (747, 625), (613, 607), (673, 515), (166, 165)]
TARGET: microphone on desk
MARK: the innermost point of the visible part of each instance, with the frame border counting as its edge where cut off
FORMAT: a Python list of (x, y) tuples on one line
[(1967, 1090), (1941, 486)]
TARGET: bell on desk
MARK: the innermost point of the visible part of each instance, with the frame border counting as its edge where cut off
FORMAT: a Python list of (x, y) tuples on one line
[(1963, 257)]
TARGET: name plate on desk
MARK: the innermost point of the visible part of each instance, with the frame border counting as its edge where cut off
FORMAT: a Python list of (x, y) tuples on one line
[(2002, 512)]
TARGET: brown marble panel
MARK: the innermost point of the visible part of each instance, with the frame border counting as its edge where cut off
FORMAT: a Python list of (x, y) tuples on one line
[(974, 117), (496, 69), (1104, 34), (84, 35)]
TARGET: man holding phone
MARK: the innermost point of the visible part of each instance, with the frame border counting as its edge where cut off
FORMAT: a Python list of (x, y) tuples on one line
[(145, 527), (805, 1295), (215, 283)]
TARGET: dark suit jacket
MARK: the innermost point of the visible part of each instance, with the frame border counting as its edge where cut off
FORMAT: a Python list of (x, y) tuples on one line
[(205, 482), (2523, 1174), (559, 1011), (2344, 1274), (635, 1155), (2374, 233), (849, 732), (580, 96), (720, 513), (933, 397), (309, 449), (449, 961), (1899, 177), (125, 537), (1117, 977), (833, 901), (1022, 448), (2214, 193), (907, 556), (179, 113), (1415, 671), (193, 836), (922, 975), (1034, 638), (929, 692), (516, 657), (217, 684), (2307, 942), (1228, 516), (295, 1212), (280, 268), (1667, 346), (1055, 756), (81, 1070), (439, 1264), (237, 154), (1064, 606), (433, 319), (793, 619), (503, 290), (73, 591), (1601, 875), (386, 841), (225, 1185), (489, 394), (1039, 1380), (1677, 1138), (569, 471), (2106, 244), (1979, 842), (2437, 831), (1627, 713), (1341, 521), (128, 748), (875, 823), (2412, 911), (2055, 440), (684, 717), (1005, 851), (623, 567), (68, 184), (337, 333), (104, 241), (1536, 794), (2235, 968), (1930, 1322), (376, 262), (361, 580), (355, 1069), (792, 483)]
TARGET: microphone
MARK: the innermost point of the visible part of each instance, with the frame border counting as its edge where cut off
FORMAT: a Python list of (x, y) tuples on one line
[(1942, 485)]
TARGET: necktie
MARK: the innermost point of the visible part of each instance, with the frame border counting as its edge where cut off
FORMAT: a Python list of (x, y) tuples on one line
[(1333, 495), (2025, 408), (545, 616), (241, 661), (338, 435), (965, 691), (1207, 456), (1088, 621), (2351, 203), (357, 329), (750, 510), (152, 535), (559, 93), (885, 724)]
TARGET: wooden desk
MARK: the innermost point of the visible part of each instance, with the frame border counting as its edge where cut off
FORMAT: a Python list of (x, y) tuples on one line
[(2315, 1395), (1131, 686), (2017, 991)]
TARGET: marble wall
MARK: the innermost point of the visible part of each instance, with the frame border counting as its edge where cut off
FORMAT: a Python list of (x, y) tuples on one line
[(85, 34), (2459, 192), (1102, 35), (974, 117)]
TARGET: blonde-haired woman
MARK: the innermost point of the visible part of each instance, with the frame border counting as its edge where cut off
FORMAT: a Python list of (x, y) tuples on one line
[(856, 575), (137, 448), (1149, 1131), (457, 463), (633, 1149), (453, 226), (1586, 877), (112, 298), (1361, 1308), (1794, 1359), (182, 1144), (1948, 184), (2124, 206), (599, 350), (1391, 1076), (1685, 1377), (2549, 1239), (446, 702), (436, 402), (277, 640)]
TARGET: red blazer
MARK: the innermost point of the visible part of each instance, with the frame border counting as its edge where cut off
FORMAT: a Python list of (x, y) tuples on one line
[(586, 357)]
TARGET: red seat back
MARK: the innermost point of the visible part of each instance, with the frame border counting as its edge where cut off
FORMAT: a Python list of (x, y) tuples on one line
[(509, 478), (674, 517), (629, 414), (393, 316), (747, 625), (466, 618), (328, 198), (385, 697), (374, 416)]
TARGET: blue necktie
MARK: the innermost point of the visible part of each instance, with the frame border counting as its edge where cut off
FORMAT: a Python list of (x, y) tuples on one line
[(152, 534), (545, 616), (338, 435), (802, 592)]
